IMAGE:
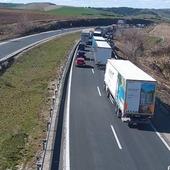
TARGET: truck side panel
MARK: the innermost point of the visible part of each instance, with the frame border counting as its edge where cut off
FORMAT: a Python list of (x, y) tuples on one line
[(116, 85), (111, 79), (121, 92)]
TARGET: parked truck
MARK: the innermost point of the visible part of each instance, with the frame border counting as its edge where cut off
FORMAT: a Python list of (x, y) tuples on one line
[(131, 91)]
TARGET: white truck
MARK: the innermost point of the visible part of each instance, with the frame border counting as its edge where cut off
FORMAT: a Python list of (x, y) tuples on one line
[(102, 52), (96, 38), (131, 90), (86, 36)]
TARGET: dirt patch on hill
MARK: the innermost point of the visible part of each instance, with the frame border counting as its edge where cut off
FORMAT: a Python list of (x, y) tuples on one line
[(14, 23)]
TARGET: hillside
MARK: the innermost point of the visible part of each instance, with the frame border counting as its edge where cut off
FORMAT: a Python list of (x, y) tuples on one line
[(81, 11), (38, 6), (157, 14), (10, 5), (51, 8)]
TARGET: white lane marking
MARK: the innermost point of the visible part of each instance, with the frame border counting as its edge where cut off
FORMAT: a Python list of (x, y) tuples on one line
[(169, 167), (92, 71), (34, 44), (159, 135), (67, 163), (98, 89), (115, 135)]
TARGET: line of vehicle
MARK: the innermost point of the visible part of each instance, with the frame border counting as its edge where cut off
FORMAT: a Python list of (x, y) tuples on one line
[(116, 137), (159, 135), (98, 89)]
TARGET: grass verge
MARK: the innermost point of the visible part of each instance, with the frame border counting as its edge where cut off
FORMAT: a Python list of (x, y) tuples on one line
[(24, 103), (81, 11)]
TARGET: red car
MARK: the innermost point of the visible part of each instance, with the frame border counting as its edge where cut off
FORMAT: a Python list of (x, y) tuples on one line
[(80, 61)]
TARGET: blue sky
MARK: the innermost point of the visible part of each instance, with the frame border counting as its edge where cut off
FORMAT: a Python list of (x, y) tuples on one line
[(104, 3)]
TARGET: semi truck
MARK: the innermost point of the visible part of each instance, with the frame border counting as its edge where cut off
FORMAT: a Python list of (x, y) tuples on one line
[(131, 91), (86, 36)]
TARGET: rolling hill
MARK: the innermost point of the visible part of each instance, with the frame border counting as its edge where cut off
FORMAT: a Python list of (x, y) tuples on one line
[(53, 9), (81, 11), (156, 14), (10, 5)]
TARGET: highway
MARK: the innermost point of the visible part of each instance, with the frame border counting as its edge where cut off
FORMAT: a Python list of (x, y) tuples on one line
[(96, 139), (11, 46)]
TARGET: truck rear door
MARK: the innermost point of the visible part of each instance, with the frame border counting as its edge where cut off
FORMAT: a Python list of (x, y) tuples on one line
[(133, 89)]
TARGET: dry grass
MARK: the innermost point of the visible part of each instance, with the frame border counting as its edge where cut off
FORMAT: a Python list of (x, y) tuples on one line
[(162, 31), (155, 58)]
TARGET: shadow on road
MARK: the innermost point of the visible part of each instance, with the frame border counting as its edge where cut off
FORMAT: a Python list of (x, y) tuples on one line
[(88, 66), (161, 119), (89, 59), (101, 67)]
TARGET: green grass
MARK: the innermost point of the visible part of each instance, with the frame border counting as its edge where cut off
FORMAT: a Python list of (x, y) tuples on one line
[(80, 11), (24, 95)]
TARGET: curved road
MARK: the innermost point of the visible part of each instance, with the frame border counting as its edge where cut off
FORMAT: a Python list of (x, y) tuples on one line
[(12, 46)]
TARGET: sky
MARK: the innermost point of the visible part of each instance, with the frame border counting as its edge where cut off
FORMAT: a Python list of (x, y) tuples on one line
[(104, 3)]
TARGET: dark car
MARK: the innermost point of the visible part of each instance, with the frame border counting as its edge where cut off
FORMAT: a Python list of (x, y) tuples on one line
[(81, 54), (81, 47)]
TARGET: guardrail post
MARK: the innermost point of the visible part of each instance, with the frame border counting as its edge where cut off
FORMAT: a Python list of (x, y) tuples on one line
[(44, 144), (38, 163), (48, 125), (53, 100), (51, 111)]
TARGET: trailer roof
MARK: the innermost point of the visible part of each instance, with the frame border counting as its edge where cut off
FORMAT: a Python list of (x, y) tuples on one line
[(98, 38), (130, 71), (102, 44), (99, 32)]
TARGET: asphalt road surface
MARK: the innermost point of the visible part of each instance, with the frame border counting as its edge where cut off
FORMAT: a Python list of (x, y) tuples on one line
[(98, 140), (11, 46)]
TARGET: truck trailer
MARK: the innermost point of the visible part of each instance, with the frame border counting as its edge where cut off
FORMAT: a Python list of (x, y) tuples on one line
[(96, 38), (131, 91), (102, 52), (86, 36)]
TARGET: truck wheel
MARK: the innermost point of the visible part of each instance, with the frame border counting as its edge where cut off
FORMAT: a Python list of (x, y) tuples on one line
[(104, 86), (130, 124), (119, 114), (108, 93)]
